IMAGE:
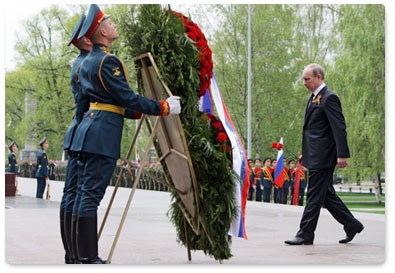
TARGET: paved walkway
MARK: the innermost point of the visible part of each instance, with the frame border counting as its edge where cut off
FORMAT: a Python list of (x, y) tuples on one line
[(148, 237)]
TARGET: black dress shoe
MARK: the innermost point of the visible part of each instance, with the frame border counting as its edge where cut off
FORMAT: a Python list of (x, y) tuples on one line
[(350, 235), (298, 241), (95, 260)]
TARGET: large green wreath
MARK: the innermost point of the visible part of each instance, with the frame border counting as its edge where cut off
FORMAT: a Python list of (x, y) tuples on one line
[(159, 31)]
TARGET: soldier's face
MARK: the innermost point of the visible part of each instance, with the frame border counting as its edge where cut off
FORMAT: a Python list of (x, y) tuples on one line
[(110, 29), (14, 148)]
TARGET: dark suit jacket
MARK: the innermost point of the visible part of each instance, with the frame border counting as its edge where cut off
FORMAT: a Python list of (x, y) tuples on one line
[(324, 132)]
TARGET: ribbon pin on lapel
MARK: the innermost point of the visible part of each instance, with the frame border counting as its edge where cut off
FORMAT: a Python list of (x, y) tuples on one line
[(318, 99)]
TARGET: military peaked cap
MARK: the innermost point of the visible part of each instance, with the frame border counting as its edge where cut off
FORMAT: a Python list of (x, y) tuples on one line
[(93, 19)]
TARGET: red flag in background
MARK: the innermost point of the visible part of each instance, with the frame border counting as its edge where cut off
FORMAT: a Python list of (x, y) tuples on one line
[(295, 200)]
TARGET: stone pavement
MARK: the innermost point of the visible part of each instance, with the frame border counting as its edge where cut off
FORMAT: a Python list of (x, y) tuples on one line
[(148, 237)]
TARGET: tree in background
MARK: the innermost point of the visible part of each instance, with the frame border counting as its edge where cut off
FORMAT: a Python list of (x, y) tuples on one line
[(358, 76), (348, 40)]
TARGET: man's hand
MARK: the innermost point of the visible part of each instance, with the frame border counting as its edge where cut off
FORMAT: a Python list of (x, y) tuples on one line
[(342, 162)]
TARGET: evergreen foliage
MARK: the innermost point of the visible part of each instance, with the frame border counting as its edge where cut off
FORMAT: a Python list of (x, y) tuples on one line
[(158, 31)]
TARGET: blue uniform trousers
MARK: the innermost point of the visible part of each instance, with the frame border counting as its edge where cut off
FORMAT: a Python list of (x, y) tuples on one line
[(267, 193), (70, 184), (40, 187), (95, 173)]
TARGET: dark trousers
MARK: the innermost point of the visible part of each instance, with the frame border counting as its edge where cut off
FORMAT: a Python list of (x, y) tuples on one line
[(250, 192), (321, 193), (70, 184), (95, 173), (277, 195), (258, 194), (284, 193), (267, 193), (40, 187), (70, 187), (302, 190)]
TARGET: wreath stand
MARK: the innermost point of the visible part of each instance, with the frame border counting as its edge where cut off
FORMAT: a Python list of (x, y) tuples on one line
[(172, 148)]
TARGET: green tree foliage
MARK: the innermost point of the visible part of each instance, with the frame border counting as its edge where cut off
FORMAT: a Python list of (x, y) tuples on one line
[(276, 103), (41, 81), (359, 78), (348, 40)]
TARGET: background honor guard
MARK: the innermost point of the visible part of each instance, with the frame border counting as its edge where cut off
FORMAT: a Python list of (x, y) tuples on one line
[(291, 173), (285, 188), (13, 162), (42, 168), (256, 179), (105, 88), (68, 220), (302, 185), (267, 171)]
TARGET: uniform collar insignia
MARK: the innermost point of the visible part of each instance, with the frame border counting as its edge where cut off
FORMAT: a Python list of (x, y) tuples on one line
[(105, 49)]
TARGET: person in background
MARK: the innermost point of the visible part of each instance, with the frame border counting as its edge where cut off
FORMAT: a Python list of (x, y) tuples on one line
[(13, 162), (105, 89), (291, 174), (267, 171), (256, 179), (285, 189), (42, 172), (67, 219), (251, 189), (302, 185), (324, 145)]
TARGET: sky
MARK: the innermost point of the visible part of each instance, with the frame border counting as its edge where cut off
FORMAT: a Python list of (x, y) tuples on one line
[(14, 14)]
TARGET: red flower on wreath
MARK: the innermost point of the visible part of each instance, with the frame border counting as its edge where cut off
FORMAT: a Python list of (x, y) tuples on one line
[(221, 135), (206, 73), (205, 54)]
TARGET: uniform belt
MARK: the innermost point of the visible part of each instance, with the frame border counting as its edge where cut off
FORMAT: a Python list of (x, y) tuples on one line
[(107, 107)]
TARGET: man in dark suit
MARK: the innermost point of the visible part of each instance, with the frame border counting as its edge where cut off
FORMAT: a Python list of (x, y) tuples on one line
[(324, 145), (105, 89)]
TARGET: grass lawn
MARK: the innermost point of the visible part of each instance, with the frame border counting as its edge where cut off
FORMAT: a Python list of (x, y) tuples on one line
[(363, 202)]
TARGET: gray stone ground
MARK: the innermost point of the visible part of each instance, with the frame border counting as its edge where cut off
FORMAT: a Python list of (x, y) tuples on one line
[(148, 237)]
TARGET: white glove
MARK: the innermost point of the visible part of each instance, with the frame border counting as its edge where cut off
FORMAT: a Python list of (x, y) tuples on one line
[(174, 104)]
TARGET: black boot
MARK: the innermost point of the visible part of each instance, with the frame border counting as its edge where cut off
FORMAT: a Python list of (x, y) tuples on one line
[(67, 259), (87, 247), (67, 228), (73, 239)]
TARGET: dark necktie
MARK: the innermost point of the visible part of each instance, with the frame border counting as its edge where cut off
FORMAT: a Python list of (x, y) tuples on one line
[(310, 100)]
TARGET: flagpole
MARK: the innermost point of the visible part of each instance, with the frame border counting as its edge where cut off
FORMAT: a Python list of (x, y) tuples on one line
[(249, 86)]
